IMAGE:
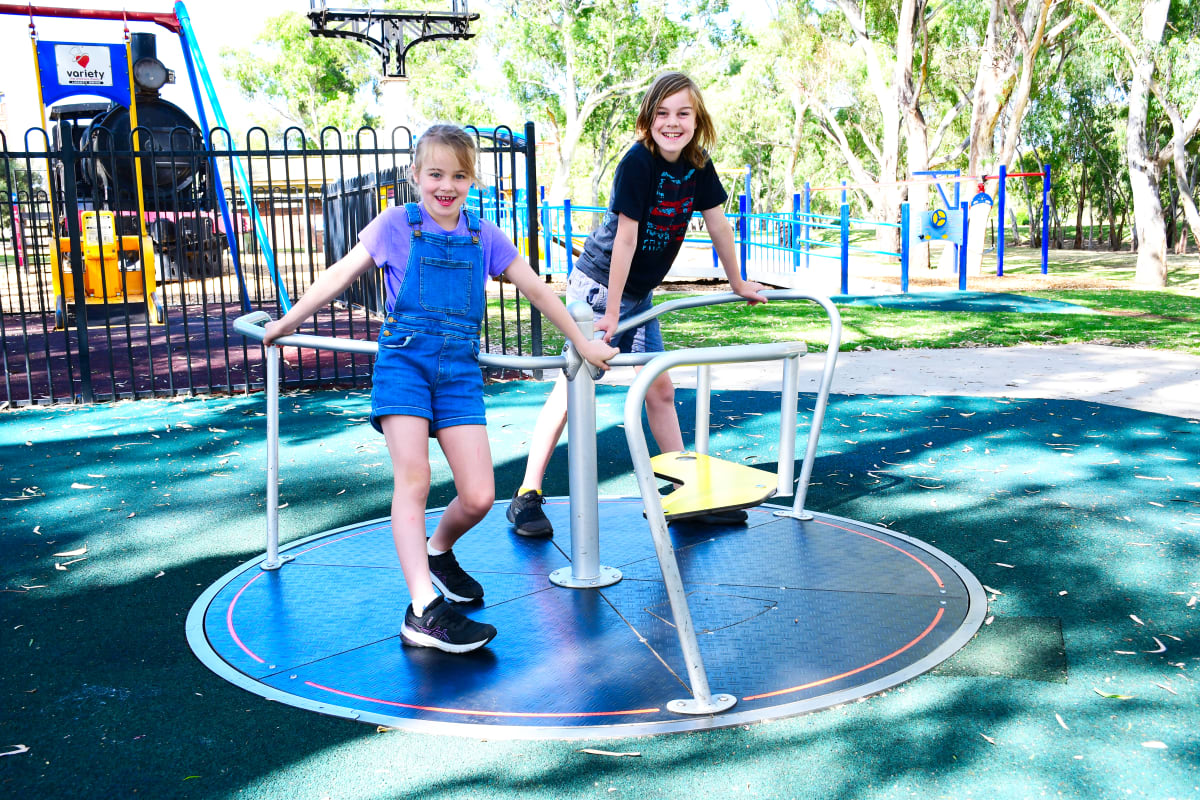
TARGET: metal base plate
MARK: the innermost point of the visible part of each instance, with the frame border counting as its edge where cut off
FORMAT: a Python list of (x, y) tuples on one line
[(607, 577), (792, 616)]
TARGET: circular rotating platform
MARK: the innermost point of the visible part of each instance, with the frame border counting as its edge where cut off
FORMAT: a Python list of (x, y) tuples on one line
[(793, 616)]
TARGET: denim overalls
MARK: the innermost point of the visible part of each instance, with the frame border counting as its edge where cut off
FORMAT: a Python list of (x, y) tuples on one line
[(428, 362)]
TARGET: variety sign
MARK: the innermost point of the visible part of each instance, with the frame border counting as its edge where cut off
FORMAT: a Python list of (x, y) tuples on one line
[(73, 68)]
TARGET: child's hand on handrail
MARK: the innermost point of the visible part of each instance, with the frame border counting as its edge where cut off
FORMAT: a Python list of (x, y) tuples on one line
[(274, 330), (597, 352), (749, 290)]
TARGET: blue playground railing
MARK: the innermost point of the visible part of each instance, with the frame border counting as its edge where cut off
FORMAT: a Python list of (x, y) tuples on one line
[(779, 245)]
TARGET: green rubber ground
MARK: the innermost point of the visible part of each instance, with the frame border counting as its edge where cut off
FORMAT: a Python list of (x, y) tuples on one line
[(1082, 520)]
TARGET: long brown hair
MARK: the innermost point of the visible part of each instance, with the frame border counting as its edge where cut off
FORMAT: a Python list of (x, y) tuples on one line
[(665, 85)]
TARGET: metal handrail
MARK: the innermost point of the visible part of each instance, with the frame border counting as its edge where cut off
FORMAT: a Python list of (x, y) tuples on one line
[(703, 701)]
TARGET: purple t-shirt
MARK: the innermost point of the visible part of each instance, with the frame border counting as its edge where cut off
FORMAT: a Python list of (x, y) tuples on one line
[(388, 236)]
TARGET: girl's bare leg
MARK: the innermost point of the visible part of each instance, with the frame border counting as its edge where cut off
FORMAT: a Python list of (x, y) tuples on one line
[(407, 442), (470, 459)]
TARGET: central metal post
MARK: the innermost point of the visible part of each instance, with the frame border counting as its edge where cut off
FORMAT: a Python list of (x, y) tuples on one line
[(585, 571)]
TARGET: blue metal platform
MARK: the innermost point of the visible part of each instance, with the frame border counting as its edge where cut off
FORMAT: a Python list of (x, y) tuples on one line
[(793, 616)]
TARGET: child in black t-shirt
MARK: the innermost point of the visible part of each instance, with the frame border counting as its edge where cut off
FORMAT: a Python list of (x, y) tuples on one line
[(661, 180)]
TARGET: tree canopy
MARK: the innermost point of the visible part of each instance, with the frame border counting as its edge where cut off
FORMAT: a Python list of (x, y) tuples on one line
[(870, 91)]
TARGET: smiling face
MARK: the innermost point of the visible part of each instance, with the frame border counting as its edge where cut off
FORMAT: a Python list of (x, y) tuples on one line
[(674, 124), (443, 182)]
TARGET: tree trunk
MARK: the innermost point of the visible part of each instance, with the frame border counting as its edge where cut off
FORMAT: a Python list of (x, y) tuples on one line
[(1078, 244), (1148, 222)]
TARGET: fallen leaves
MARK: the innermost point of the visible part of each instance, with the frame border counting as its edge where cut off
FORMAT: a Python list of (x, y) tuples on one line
[(612, 753)]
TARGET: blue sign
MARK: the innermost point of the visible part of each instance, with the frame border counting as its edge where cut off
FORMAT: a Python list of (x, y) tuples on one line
[(981, 198), (67, 69), (942, 225)]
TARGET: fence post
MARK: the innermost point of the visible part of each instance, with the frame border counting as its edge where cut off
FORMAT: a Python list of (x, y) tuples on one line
[(744, 229), (904, 247), (567, 235), (1000, 222), (845, 254), (531, 210), (795, 231), (807, 219), (1045, 218), (71, 214), (962, 251)]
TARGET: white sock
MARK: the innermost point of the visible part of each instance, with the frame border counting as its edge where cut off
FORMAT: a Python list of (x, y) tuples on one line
[(429, 548), (419, 609)]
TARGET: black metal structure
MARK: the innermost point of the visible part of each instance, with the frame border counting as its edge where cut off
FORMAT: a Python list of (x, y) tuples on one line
[(391, 32)]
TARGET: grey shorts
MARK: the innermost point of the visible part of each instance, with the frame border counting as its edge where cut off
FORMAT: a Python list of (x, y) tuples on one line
[(644, 339)]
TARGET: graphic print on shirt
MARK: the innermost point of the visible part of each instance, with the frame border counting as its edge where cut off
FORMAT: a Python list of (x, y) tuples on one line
[(668, 219)]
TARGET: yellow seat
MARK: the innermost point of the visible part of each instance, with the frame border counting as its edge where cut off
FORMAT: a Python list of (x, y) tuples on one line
[(709, 484)]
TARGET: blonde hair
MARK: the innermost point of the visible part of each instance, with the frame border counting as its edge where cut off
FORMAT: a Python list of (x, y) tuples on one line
[(454, 139), (665, 85)]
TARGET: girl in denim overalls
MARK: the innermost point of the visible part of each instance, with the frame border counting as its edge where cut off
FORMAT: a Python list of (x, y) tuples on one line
[(437, 259)]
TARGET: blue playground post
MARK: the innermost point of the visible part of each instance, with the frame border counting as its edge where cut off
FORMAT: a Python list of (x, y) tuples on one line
[(904, 247), (567, 235), (796, 227), (962, 251), (230, 232), (1045, 218), (807, 217), (845, 255), (546, 232), (192, 51), (747, 182), (744, 230), (1000, 222), (843, 193)]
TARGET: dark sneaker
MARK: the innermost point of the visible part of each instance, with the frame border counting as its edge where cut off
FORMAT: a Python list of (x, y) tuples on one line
[(526, 515), (452, 581), (444, 628), (732, 517)]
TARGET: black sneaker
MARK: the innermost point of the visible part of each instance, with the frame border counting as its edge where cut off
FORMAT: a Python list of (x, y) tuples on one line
[(452, 581), (526, 515), (444, 628), (731, 517)]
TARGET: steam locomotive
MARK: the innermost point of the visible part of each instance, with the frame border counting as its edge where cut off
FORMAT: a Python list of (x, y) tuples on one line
[(176, 174)]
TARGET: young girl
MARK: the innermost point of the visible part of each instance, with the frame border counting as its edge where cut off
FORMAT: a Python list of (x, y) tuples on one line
[(437, 259), (664, 177)]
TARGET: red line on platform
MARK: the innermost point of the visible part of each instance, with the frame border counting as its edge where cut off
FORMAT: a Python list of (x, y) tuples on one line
[(937, 617)]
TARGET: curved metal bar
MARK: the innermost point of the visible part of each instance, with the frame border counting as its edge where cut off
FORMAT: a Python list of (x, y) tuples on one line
[(251, 326), (702, 701), (831, 351)]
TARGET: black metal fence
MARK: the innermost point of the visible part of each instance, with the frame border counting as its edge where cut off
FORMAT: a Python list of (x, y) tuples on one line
[(105, 295)]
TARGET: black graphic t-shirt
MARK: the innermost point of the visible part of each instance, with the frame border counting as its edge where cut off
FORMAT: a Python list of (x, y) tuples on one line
[(661, 196)]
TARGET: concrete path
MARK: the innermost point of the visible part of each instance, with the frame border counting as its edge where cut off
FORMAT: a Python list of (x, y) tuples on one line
[(1158, 381)]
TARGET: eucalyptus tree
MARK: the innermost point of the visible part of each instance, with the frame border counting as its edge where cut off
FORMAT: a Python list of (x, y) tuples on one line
[(302, 80), (1158, 44), (566, 59)]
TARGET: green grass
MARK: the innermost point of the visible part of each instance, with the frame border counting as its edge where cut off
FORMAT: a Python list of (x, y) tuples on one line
[(1128, 318), (1182, 270)]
